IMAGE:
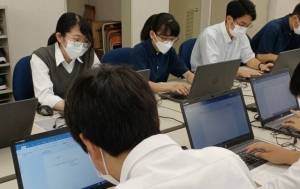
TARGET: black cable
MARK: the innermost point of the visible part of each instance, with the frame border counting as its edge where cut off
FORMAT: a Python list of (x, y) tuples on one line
[(55, 123), (172, 118), (285, 144), (256, 119)]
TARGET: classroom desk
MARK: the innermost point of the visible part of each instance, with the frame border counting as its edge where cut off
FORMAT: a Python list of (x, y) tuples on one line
[(12, 184)]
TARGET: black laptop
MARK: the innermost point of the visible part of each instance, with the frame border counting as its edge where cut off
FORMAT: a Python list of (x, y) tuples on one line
[(221, 120), (53, 160), (274, 101), (209, 79), (16, 120)]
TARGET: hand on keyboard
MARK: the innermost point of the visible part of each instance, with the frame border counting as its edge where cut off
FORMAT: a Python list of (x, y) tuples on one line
[(180, 89), (294, 121), (274, 154)]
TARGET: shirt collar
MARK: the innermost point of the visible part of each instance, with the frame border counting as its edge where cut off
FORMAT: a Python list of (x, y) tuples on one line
[(59, 58), (150, 47), (286, 24), (224, 32), (142, 149)]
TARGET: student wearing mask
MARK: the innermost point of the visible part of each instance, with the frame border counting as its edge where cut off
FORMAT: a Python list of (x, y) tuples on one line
[(282, 34), (68, 54), (136, 154), (156, 53), (228, 41)]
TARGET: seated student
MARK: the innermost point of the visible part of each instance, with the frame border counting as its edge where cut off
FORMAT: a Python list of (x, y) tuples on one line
[(228, 40), (136, 154), (156, 53), (278, 35), (70, 52)]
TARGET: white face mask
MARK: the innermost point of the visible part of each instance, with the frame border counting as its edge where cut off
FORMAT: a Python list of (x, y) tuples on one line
[(238, 31), (162, 47), (107, 177), (296, 30), (74, 51)]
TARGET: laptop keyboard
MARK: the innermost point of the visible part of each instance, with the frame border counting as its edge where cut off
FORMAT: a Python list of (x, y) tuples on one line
[(179, 96), (286, 129), (249, 159)]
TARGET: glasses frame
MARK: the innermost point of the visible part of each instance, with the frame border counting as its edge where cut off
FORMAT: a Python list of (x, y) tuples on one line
[(166, 41), (241, 25), (78, 43)]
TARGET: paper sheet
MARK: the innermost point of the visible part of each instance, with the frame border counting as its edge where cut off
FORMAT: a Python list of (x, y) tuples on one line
[(267, 172)]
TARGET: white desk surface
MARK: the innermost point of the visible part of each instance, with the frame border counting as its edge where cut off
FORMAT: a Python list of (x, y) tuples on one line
[(12, 184)]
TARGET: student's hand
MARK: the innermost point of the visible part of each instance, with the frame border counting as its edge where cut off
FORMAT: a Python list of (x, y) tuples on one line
[(274, 154), (180, 88), (266, 67), (294, 121), (247, 73)]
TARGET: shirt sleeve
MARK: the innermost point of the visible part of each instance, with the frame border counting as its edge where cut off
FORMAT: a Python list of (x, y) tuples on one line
[(288, 179), (267, 43), (96, 60), (138, 59), (178, 67), (42, 84), (246, 51)]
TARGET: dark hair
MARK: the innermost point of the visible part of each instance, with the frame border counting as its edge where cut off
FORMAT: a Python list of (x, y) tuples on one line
[(162, 22), (66, 22), (296, 10), (295, 82), (239, 8), (113, 107)]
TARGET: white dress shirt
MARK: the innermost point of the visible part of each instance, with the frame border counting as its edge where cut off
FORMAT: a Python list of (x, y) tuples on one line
[(158, 162), (42, 84), (215, 45)]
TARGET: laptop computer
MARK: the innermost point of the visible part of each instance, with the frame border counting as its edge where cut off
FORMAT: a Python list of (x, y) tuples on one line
[(53, 160), (16, 120), (287, 59), (145, 73), (221, 120), (274, 101), (209, 79)]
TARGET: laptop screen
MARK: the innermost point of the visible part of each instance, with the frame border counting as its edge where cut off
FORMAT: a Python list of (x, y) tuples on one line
[(272, 95), (217, 121), (56, 162)]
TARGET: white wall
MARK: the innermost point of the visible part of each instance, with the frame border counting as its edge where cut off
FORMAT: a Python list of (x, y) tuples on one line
[(107, 10), (30, 24), (76, 6), (280, 8)]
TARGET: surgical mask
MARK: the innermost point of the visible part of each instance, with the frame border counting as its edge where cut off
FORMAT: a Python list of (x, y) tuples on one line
[(163, 47), (107, 177), (238, 31), (74, 51), (296, 30)]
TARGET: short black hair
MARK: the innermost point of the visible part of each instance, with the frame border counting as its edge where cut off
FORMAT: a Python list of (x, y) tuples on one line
[(296, 10), (295, 82), (66, 22), (239, 8), (163, 23), (113, 107)]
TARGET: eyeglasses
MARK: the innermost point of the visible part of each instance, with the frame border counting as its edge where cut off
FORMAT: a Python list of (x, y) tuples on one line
[(166, 40), (78, 43), (243, 25)]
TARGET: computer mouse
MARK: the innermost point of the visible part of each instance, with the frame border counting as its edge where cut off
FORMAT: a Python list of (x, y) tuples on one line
[(45, 110)]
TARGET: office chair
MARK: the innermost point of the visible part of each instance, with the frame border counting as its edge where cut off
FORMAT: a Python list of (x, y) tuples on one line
[(22, 80), (118, 56), (185, 51)]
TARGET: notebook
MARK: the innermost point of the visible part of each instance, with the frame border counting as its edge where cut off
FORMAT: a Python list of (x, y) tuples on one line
[(274, 101), (53, 160), (209, 79), (16, 120), (221, 120), (287, 59)]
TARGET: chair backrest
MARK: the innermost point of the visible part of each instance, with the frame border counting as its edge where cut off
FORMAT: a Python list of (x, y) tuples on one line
[(185, 51), (117, 56), (22, 80)]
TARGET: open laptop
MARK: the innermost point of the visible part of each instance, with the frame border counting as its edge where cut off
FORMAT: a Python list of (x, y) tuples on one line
[(53, 160), (221, 120), (274, 101), (209, 79), (16, 120), (145, 73), (287, 59)]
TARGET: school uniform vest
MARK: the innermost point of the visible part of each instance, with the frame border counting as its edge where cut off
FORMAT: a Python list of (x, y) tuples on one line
[(59, 76)]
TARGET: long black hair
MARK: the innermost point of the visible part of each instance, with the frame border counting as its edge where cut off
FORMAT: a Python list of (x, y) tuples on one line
[(66, 22), (163, 23)]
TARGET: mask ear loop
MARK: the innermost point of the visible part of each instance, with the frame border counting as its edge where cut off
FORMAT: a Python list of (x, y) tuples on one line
[(104, 162)]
